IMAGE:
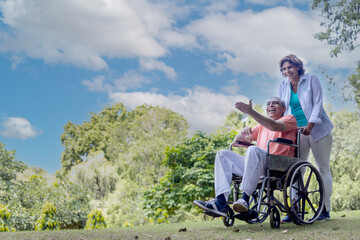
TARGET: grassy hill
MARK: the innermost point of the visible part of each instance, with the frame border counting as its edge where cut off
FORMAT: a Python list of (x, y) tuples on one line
[(343, 225)]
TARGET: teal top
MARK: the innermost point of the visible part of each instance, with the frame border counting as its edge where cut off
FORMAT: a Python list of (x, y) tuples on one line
[(296, 110)]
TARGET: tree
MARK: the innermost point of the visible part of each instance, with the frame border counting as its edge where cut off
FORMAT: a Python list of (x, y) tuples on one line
[(345, 161), (190, 175), (92, 136), (150, 130), (9, 167), (342, 20), (128, 136), (97, 174)]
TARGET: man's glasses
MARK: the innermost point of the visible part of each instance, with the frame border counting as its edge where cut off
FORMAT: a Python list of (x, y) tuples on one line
[(272, 103)]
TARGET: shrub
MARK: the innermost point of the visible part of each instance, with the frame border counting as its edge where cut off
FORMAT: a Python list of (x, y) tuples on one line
[(4, 219), (48, 219), (95, 220)]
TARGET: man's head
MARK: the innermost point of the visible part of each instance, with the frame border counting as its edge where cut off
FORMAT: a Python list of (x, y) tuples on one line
[(275, 108)]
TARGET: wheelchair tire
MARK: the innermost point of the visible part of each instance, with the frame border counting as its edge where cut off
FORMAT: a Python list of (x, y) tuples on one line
[(303, 193), (263, 214), (229, 219), (274, 217)]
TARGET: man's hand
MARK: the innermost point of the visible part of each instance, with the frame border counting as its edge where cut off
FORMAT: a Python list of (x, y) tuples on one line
[(243, 107), (245, 135)]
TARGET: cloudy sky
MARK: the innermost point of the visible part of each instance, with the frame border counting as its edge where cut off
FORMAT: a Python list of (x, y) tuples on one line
[(61, 60)]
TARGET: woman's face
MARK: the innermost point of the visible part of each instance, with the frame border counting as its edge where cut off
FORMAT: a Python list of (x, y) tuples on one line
[(290, 71)]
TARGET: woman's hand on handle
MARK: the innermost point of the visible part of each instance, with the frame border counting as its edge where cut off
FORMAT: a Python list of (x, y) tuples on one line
[(307, 130)]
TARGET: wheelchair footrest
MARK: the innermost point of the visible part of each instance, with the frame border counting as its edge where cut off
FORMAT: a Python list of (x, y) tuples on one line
[(212, 214), (247, 215)]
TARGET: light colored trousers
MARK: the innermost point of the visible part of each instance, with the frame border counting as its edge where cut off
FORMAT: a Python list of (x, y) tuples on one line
[(251, 168), (321, 151)]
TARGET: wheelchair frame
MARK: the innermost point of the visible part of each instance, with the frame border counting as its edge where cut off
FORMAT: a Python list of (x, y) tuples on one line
[(303, 197)]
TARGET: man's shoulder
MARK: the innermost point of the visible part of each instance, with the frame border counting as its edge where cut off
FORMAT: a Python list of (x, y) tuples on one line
[(290, 121), (288, 117)]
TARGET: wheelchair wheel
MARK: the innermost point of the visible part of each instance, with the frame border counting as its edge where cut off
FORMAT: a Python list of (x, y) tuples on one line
[(303, 193), (274, 217), (229, 219), (253, 203)]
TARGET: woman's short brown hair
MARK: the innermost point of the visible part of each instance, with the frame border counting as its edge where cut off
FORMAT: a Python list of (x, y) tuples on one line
[(294, 60)]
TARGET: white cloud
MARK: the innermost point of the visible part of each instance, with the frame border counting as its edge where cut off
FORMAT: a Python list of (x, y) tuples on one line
[(88, 33), (254, 42), (129, 81), (82, 32), (231, 88), (97, 84), (204, 109), (151, 64), (17, 127)]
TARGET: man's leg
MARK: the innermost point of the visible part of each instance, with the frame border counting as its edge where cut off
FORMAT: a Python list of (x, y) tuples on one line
[(226, 163), (255, 166)]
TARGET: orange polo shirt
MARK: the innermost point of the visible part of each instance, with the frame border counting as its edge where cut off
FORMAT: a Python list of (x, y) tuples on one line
[(262, 135)]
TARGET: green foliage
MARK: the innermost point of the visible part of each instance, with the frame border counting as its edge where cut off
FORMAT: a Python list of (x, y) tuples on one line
[(354, 84), (91, 136), (132, 143), (345, 160), (123, 207), (133, 140), (48, 218), (4, 219), (9, 167), (151, 129), (97, 174), (342, 23), (190, 175), (95, 220), (71, 201)]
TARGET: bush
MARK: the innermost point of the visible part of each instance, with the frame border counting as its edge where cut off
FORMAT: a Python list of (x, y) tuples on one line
[(95, 220), (4, 219), (48, 219)]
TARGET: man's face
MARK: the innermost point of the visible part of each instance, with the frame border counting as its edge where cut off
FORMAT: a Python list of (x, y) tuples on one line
[(274, 109)]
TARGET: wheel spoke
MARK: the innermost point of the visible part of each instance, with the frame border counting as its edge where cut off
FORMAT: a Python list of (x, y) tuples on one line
[(310, 203), (301, 182), (308, 180)]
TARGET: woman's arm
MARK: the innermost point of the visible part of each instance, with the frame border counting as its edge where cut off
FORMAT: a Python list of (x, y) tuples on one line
[(317, 100)]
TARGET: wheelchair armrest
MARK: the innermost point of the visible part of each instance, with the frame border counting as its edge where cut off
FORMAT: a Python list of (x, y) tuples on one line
[(240, 144), (283, 140)]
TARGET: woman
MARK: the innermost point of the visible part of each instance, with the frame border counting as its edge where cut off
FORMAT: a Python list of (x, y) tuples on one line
[(303, 97)]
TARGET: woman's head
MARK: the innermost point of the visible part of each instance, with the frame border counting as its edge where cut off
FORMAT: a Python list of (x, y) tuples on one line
[(294, 61)]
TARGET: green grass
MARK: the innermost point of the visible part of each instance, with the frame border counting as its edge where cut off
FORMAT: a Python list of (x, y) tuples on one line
[(343, 225)]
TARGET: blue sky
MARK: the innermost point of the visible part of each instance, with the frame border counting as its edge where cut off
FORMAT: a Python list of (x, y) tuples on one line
[(61, 60)]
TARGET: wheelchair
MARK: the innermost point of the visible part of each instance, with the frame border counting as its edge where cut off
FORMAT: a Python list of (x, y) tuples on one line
[(299, 182)]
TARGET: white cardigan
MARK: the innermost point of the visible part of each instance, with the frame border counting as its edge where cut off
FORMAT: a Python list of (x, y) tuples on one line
[(310, 95)]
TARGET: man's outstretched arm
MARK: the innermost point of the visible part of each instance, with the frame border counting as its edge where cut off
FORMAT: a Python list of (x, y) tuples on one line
[(269, 123)]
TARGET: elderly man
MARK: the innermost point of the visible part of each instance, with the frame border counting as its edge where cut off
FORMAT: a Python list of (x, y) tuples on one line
[(253, 165)]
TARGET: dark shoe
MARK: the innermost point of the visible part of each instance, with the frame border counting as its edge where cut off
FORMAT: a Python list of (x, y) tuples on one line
[(324, 216), (286, 219), (241, 206), (251, 214), (212, 206)]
